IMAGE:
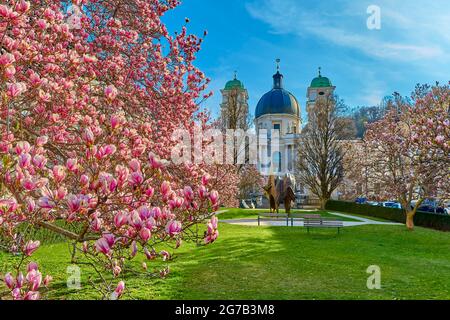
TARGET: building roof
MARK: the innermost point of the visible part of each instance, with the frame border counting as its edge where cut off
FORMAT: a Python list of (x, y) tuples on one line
[(278, 100), (234, 84), (320, 82)]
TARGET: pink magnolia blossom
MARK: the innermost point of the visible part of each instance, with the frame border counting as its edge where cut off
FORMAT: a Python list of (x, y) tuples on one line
[(10, 71), (30, 204), (9, 281), (205, 180), (110, 239), (102, 246), (165, 188), (6, 59), (46, 203), (34, 279), (88, 136), (154, 162), (214, 197), (203, 192), (71, 164), (32, 295), (24, 160), (135, 220), (120, 219), (47, 280), (110, 92), (173, 228), (165, 255), (188, 193), (136, 178), (20, 279), (39, 161), (59, 173), (119, 289), (32, 266), (145, 234), (16, 294), (96, 224), (22, 147), (15, 89), (31, 246)]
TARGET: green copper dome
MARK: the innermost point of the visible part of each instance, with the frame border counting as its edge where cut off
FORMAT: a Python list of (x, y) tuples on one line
[(234, 84), (321, 82)]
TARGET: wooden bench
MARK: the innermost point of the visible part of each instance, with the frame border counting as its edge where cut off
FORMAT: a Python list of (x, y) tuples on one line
[(302, 217), (323, 223), (273, 217)]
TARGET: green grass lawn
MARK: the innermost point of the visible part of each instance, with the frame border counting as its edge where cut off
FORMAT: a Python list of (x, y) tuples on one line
[(285, 263), (236, 213)]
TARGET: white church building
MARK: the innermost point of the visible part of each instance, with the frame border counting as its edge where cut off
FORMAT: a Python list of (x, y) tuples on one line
[(279, 110)]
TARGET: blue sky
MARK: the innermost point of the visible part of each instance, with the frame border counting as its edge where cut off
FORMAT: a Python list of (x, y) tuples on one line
[(412, 46)]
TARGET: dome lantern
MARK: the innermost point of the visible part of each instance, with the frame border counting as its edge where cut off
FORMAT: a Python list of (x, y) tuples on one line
[(278, 77)]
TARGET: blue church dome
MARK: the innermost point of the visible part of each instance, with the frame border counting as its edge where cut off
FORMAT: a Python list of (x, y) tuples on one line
[(277, 100)]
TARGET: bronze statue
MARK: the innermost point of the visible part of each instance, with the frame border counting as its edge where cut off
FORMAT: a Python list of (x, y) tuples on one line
[(270, 191), (277, 190)]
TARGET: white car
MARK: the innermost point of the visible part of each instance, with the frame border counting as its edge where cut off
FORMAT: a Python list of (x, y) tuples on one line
[(392, 204)]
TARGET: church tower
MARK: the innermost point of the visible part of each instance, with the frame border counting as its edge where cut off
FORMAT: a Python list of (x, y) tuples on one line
[(278, 110), (234, 106), (320, 86)]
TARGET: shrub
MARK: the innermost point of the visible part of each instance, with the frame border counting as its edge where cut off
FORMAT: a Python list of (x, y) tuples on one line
[(423, 219)]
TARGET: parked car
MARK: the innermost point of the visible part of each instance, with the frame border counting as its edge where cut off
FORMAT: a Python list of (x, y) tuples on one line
[(432, 209), (373, 203), (361, 200), (392, 204), (432, 206)]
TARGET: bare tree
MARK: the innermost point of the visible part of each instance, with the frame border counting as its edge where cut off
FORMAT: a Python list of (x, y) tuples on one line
[(320, 152), (234, 112), (235, 116)]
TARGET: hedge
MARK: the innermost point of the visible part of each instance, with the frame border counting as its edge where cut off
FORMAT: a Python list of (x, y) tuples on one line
[(423, 219)]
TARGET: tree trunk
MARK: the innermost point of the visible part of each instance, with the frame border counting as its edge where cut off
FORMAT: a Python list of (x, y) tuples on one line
[(410, 219), (323, 202)]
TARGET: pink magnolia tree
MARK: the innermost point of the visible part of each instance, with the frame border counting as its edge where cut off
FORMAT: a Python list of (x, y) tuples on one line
[(88, 105), (408, 149)]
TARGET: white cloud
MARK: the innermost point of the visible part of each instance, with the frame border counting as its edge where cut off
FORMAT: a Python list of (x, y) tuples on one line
[(409, 31)]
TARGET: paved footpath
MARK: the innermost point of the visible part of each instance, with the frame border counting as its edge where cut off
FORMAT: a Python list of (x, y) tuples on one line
[(254, 222)]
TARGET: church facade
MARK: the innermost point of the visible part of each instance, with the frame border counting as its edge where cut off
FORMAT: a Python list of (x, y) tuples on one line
[(277, 110), (280, 110)]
